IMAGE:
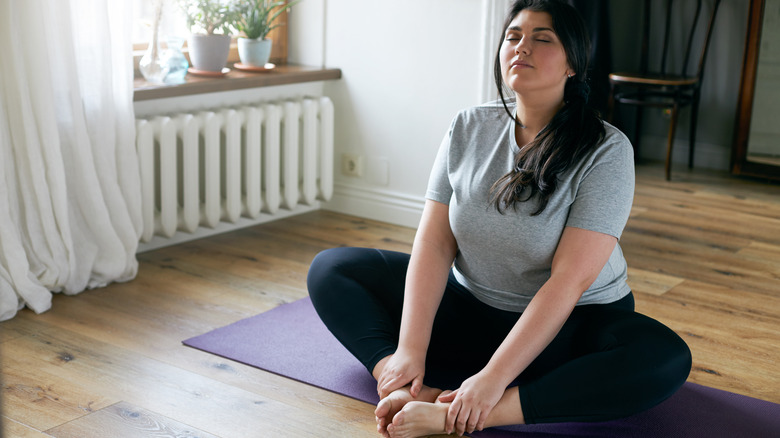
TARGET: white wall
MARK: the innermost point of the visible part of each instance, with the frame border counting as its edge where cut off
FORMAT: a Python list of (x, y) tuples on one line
[(408, 66)]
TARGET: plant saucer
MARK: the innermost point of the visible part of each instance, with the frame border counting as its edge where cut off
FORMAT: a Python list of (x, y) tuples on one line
[(255, 68), (209, 73)]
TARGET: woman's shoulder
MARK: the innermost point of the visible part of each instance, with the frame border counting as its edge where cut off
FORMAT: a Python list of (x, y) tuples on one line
[(614, 134), (488, 112), (615, 143)]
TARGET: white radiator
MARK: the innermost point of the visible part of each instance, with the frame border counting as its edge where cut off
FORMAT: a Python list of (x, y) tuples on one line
[(211, 167)]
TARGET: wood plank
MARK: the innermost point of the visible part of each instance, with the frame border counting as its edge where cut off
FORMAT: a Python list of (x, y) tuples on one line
[(124, 323), (653, 283), (650, 177), (734, 342), (657, 225), (126, 421), (707, 196), (236, 294), (41, 399), (721, 221), (696, 262), (12, 428), (153, 308), (764, 253), (338, 230), (240, 261), (637, 211), (170, 391), (742, 203), (235, 80)]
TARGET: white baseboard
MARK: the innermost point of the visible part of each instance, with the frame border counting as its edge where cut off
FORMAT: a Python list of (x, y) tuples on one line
[(405, 210), (223, 227), (369, 203), (376, 204)]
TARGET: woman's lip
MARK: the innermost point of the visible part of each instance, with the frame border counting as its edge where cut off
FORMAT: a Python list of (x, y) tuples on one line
[(521, 64)]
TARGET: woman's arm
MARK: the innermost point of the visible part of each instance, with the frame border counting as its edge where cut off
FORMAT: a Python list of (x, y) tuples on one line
[(578, 260), (433, 251)]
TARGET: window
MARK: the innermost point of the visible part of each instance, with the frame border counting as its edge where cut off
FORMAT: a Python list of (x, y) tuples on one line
[(172, 22)]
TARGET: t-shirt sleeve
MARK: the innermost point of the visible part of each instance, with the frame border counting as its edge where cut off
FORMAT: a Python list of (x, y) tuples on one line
[(439, 186), (606, 189)]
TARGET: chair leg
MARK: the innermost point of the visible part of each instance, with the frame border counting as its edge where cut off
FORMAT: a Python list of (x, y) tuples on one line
[(611, 104), (692, 128), (637, 130), (670, 142)]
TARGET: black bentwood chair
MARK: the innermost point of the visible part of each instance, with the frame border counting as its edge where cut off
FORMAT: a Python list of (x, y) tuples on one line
[(668, 88)]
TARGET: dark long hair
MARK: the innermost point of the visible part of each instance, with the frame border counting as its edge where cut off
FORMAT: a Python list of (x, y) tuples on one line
[(575, 129)]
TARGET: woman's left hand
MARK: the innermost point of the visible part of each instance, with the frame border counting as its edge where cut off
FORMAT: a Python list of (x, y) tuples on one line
[(471, 403)]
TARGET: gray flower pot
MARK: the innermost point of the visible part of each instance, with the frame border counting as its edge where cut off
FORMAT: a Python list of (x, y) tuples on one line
[(209, 52), (254, 52)]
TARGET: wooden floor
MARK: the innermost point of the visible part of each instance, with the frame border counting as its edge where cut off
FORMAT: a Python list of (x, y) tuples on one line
[(704, 252)]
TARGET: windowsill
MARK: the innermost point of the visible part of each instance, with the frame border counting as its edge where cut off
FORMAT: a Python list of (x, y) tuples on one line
[(234, 80)]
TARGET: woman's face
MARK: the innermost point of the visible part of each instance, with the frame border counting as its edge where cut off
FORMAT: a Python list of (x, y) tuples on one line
[(532, 57)]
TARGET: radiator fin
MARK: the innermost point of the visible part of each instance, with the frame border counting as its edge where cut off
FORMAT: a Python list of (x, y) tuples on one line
[(210, 167)]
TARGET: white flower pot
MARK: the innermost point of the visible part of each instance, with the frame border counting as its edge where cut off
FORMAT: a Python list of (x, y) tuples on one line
[(209, 52), (254, 52)]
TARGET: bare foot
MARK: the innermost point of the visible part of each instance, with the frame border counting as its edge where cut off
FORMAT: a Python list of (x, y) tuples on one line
[(393, 403), (389, 406), (418, 419)]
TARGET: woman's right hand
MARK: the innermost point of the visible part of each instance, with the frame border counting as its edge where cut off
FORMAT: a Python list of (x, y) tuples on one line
[(401, 369), (432, 255)]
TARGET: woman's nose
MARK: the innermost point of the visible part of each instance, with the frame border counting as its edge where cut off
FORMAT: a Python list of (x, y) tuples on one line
[(522, 47)]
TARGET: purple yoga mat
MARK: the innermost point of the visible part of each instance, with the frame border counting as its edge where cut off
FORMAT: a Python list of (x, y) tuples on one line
[(290, 340)]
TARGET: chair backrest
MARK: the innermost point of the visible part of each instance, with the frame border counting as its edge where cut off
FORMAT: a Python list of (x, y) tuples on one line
[(693, 22)]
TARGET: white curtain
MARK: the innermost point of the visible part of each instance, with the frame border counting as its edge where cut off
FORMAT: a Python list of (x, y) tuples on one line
[(69, 184), (493, 15)]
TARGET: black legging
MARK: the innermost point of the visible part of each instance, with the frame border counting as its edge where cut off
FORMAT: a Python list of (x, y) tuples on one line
[(607, 362)]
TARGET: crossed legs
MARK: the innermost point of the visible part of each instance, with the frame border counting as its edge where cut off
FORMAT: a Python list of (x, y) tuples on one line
[(607, 362)]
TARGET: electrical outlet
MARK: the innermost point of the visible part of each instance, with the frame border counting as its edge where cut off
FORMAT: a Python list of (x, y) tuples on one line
[(351, 165)]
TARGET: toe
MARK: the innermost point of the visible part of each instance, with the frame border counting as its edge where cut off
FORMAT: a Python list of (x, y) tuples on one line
[(398, 420), (383, 408)]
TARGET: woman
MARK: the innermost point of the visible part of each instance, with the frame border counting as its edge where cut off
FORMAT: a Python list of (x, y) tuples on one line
[(534, 322)]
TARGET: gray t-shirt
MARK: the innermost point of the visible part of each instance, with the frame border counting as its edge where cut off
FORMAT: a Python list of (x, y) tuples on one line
[(504, 259)]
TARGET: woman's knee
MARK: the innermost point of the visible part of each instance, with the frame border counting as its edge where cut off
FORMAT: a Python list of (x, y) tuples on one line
[(666, 359), (338, 270), (328, 266), (679, 359)]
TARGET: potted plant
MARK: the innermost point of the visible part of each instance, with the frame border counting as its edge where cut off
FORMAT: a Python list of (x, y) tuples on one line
[(254, 19), (209, 43)]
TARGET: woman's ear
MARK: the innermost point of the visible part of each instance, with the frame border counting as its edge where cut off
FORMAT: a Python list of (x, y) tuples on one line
[(569, 71)]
